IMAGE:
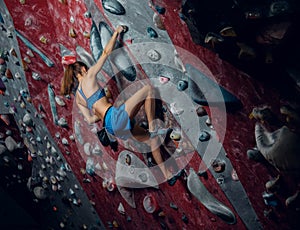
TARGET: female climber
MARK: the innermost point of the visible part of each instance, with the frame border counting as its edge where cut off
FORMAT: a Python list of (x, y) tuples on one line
[(94, 105)]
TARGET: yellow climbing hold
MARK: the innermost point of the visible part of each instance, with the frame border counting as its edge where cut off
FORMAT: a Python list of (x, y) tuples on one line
[(43, 39), (72, 33)]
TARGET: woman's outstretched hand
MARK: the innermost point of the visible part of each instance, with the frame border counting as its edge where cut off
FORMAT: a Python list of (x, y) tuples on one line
[(121, 29)]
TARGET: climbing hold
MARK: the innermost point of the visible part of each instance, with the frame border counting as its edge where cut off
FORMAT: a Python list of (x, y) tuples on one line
[(64, 141), (208, 122), (17, 75), (9, 34), (59, 101), (182, 85), (234, 175), (40, 193), (86, 34), (90, 167), (204, 136), (218, 165), (175, 135), (28, 22), (151, 32), (13, 52), (115, 224), (72, 33), (27, 119), (113, 6), (87, 14), (36, 76), (150, 204), (201, 111), (107, 92), (121, 209), (184, 218), (8, 74), (72, 20), (29, 53), (43, 39), (153, 55), (163, 79), (160, 9), (175, 110), (68, 59), (174, 206), (86, 148), (27, 60), (128, 159)]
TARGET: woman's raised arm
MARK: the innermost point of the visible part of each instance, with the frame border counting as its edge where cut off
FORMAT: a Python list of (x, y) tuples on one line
[(93, 71)]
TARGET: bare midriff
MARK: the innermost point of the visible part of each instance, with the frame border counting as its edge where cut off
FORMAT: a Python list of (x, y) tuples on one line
[(101, 106)]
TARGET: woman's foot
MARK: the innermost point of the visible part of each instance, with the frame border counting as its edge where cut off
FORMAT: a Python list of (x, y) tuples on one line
[(159, 132)]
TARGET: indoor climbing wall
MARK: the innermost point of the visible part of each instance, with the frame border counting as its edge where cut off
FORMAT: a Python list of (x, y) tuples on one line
[(52, 33)]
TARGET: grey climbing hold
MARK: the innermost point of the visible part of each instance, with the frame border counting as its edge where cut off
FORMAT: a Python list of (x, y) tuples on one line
[(113, 6), (11, 144), (153, 55), (27, 119), (40, 193)]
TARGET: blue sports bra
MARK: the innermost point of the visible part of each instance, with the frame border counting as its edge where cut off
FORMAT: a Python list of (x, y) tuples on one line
[(92, 99)]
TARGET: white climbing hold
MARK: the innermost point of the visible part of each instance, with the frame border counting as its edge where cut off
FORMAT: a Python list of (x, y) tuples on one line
[(175, 110), (121, 209), (59, 101), (86, 148), (27, 119), (64, 141), (36, 76), (62, 122)]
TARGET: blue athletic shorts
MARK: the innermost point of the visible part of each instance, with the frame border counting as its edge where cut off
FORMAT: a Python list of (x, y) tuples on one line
[(117, 122)]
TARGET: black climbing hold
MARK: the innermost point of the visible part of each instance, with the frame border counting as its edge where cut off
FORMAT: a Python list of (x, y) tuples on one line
[(151, 32), (174, 206), (201, 111), (182, 85), (203, 174), (1, 18), (204, 136), (160, 9), (184, 219)]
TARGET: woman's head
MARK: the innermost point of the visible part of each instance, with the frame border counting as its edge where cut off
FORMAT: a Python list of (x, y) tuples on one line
[(70, 77)]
